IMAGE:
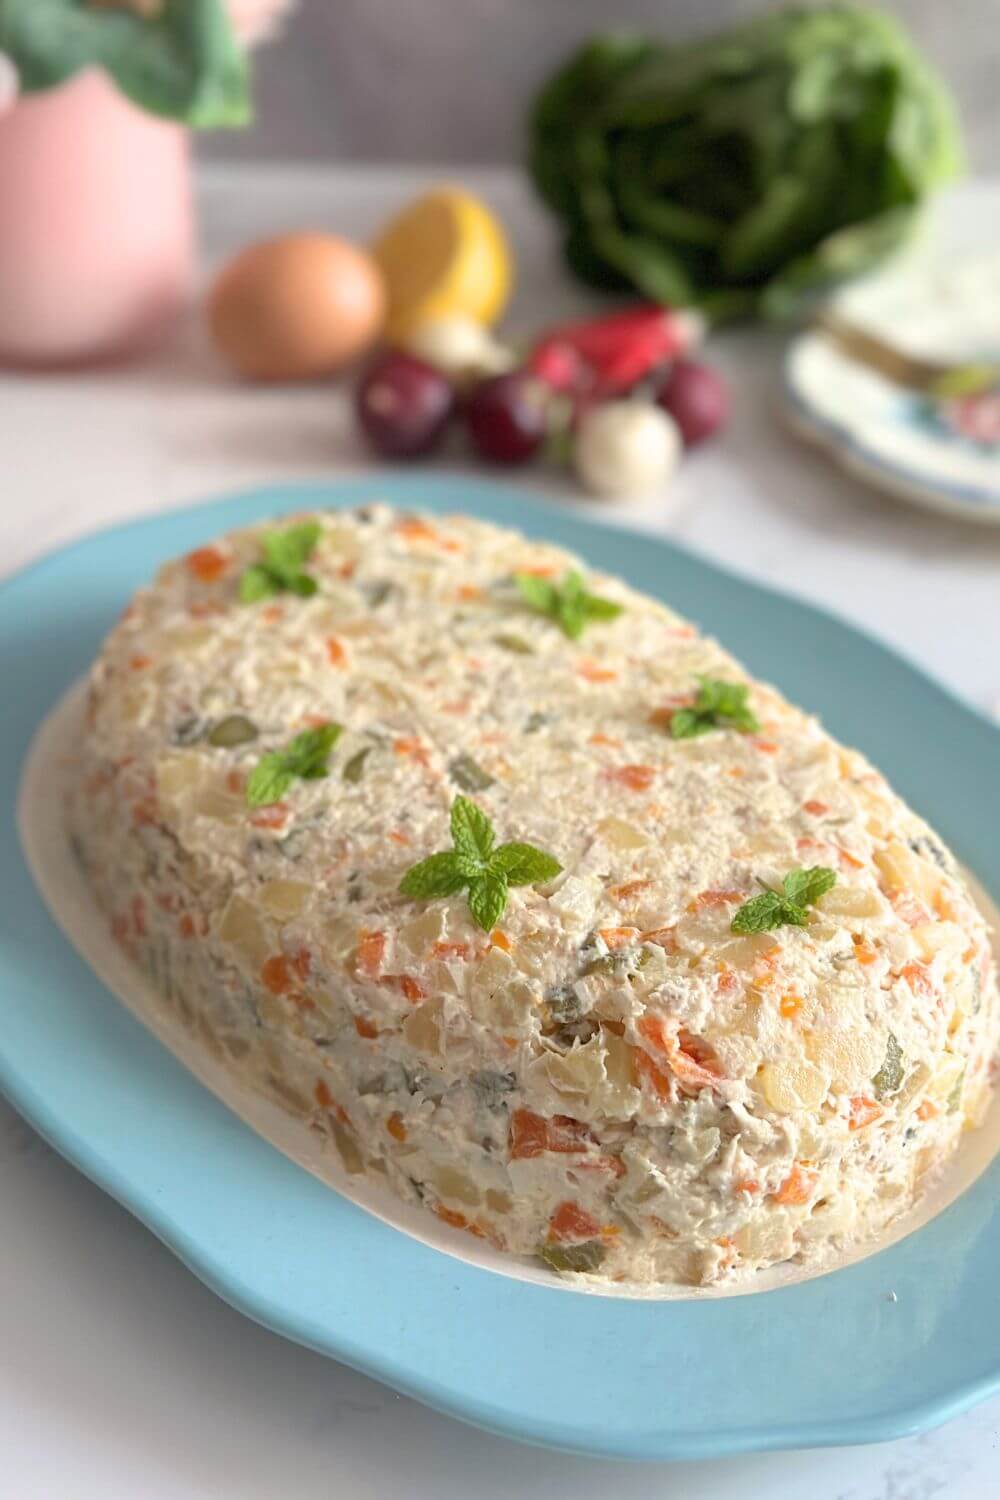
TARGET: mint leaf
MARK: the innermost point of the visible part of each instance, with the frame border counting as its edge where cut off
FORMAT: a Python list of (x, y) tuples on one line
[(787, 907), (269, 780), (257, 583), (488, 898), (804, 887), (475, 863), (471, 830), (437, 876), (305, 757), (285, 553), (523, 864), (569, 604), (718, 705), (760, 913)]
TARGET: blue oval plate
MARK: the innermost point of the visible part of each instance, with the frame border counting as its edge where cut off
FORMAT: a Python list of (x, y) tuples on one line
[(832, 1360)]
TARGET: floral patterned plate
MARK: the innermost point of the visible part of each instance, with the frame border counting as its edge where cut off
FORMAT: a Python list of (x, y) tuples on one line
[(939, 303)]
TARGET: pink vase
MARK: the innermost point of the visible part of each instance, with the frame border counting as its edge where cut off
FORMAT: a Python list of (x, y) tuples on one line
[(96, 225)]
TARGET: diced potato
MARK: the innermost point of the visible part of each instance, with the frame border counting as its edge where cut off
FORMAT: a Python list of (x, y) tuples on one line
[(769, 1238), (219, 803), (451, 1183), (902, 870), (945, 1076), (354, 1164), (580, 1071), (850, 901), (500, 1203), (283, 898), (850, 1056), (420, 935), (240, 926), (744, 953), (619, 1063), (618, 834), (176, 775), (938, 937), (790, 1086), (184, 640), (422, 1027)]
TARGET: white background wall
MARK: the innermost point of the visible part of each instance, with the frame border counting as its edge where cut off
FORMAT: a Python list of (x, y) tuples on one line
[(449, 80)]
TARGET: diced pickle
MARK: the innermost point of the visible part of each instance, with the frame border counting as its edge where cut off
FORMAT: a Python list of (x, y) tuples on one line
[(469, 775), (889, 1078), (585, 1257), (354, 768), (236, 729)]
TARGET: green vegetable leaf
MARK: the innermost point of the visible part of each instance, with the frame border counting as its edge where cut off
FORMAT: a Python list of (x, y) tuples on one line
[(474, 862), (569, 604), (804, 887), (305, 757), (183, 61), (718, 705), (285, 554), (439, 875), (523, 864), (787, 907), (488, 898), (471, 830)]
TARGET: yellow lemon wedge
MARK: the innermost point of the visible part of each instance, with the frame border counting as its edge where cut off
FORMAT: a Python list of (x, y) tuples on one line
[(443, 256)]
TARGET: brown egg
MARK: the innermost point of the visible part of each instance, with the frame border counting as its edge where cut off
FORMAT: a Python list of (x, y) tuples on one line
[(296, 307)]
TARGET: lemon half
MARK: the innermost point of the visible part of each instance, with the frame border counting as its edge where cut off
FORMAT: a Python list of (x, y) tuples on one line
[(444, 254)]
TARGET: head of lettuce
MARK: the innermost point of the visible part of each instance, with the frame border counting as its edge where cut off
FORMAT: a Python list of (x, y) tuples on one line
[(742, 172)]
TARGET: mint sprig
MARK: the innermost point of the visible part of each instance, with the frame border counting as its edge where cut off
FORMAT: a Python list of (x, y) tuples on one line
[(568, 603), (477, 864), (787, 907), (285, 555), (305, 757), (719, 705)]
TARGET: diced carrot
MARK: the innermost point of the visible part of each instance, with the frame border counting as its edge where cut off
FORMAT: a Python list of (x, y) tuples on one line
[(414, 530), (301, 962), (272, 613), (571, 1222), (635, 778), (468, 593), (531, 1134), (500, 939), (365, 1028), (649, 1073), (944, 907), (348, 568), (234, 782), (371, 952), (619, 937), (395, 1126), (450, 950), (715, 898), (336, 655), (275, 815), (864, 1111), (139, 662), (849, 859), (412, 988), (863, 950), (691, 1060), (409, 744), (451, 1216), (186, 925), (322, 1095), (592, 671), (276, 974), (629, 889), (790, 1005), (206, 564), (663, 937), (918, 978), (398, 836), (605, 739), (538, 570), (926, 1110), (818, 809), (747, 1185), (797, 1187), (768, 747)]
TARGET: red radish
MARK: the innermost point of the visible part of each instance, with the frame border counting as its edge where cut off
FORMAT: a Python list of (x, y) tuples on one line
[(697, 398), (404, 406), (507, 417), (607, 355)]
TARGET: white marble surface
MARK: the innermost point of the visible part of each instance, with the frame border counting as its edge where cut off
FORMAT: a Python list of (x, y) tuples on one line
[(120, 1376)]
